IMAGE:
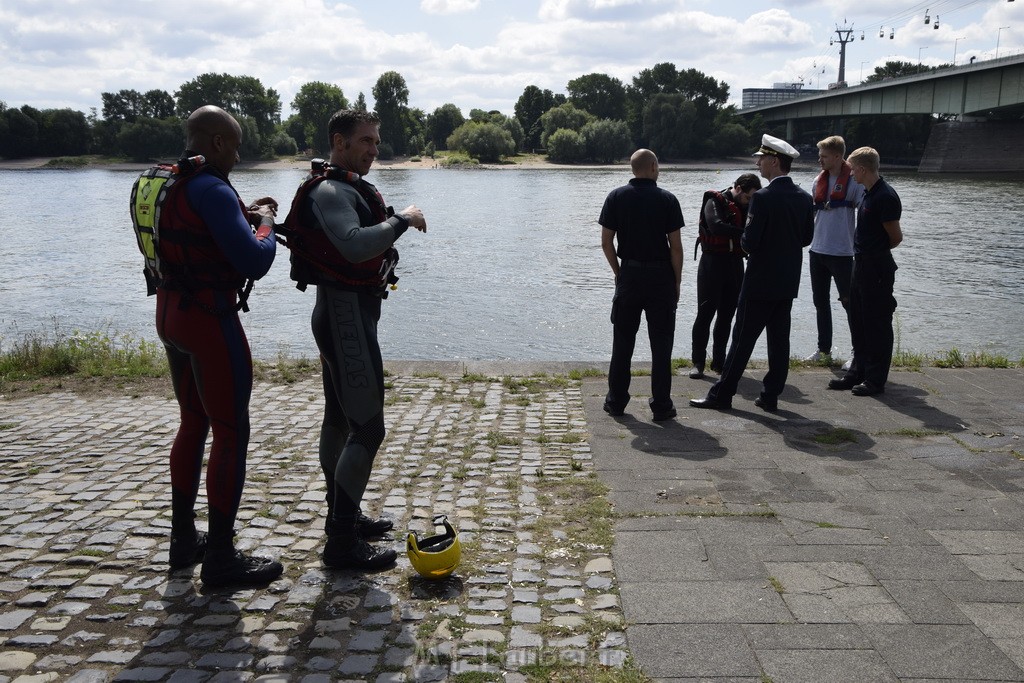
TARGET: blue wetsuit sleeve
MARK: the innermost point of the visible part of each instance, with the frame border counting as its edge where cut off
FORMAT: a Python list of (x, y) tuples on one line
[(217, 204), (334, 207)]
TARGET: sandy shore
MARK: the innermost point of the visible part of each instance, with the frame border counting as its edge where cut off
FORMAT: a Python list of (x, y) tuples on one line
[(527, 162)]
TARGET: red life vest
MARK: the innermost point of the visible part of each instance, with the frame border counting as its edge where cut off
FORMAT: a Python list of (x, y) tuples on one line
[(315, 259), (824, 199), (715, 243), (188, 254), (185, 255)]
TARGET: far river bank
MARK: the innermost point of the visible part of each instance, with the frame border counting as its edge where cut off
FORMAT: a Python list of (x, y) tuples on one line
[(530, 161)]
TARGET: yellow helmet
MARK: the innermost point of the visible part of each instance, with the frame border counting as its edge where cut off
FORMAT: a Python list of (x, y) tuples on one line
[(435, 557)]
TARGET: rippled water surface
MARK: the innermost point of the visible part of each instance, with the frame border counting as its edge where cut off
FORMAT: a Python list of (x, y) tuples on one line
[(511, 267)]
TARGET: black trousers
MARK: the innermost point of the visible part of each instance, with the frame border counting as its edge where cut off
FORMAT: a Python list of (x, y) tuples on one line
[(719, 277), (754, 316), (871, 307), (825, 268), (651, 291)]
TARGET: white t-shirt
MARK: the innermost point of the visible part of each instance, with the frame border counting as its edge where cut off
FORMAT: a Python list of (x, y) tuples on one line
[(834, 228)]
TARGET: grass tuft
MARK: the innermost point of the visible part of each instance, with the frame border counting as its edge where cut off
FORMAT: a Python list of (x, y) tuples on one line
[(90, 354)]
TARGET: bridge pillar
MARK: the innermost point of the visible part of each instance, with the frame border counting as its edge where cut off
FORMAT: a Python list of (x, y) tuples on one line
[(790, 128), (974, 146)]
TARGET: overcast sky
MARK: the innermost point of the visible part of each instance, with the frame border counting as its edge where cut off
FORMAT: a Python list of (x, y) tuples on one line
[(473, 53)]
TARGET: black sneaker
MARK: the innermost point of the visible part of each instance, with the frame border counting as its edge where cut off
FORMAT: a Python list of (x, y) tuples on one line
[(368, 527), (186, 552), (346, 552), (239, 570)]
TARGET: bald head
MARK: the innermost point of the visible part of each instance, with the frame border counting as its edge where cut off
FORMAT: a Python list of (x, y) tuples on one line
[(644, 164), (215, 134), (206, 122)]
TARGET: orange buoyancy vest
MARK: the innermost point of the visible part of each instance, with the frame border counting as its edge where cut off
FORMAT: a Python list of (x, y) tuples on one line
[(315, 259), (732, 213), (826, 198)]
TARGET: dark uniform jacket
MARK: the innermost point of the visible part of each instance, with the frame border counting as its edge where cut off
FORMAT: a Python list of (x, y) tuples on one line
[(780, 223)]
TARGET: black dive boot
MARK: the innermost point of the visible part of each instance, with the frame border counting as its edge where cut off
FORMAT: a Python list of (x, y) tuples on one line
[(345, 548), (226, 566), (188, 546), (368, 527)]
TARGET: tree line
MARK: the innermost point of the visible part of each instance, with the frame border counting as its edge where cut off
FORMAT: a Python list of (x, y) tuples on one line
[(680, 113)]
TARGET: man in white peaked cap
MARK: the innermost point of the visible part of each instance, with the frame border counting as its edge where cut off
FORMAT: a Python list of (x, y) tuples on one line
[(780, 223)]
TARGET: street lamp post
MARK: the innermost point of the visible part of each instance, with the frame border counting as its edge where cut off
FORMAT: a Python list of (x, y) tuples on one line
[(998, 34), (954, 48), (919, 56)]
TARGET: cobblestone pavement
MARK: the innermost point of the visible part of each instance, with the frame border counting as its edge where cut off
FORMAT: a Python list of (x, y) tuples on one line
[(86, 595)]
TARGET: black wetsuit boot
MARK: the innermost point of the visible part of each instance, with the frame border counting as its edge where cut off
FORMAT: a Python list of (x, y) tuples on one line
[(188, 546), (226, 566), (345, 547)]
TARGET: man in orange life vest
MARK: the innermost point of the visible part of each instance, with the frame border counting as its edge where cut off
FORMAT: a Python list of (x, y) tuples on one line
[(836, 198), (208, 249), (720, 272), (355, 233)]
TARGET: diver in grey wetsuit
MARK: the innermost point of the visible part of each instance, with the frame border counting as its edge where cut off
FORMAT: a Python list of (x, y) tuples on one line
[(353, 217)]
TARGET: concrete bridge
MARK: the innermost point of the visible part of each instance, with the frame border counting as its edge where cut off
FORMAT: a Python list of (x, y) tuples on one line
[(986, 97)]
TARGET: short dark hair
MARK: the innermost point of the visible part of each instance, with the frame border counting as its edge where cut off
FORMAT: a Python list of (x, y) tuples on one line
[(747, 182), (785, 163), (344, 121)]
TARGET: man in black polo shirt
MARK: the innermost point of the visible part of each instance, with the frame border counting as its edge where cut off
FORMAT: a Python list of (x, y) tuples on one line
[(874, 274), (645, 221)]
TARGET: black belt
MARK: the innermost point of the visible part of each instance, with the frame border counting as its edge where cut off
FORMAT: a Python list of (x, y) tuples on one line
[(633, 263)]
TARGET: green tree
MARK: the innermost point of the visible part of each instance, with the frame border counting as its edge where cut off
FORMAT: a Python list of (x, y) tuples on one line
[(563, 116), (668, 125), (64, 132), (606, 140), (158, 104), (487, 142), (360, 104), (262, 105), (599, 94), (124, 106), (283, 144), (147, 139), (238, 95), (22, 134), (294, 128), (530, 106), (731, 139), (566, 146), (442, 123), (897, 68), (252, 146), (514, 128), (415, 125), (208, 88), (391, 98), (315, 103)]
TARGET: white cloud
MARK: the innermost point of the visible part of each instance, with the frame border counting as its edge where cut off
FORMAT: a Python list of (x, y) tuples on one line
[(478, 55), (448, 6)]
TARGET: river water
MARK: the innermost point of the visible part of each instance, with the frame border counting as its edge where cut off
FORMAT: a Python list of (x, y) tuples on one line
[(511, 267)]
